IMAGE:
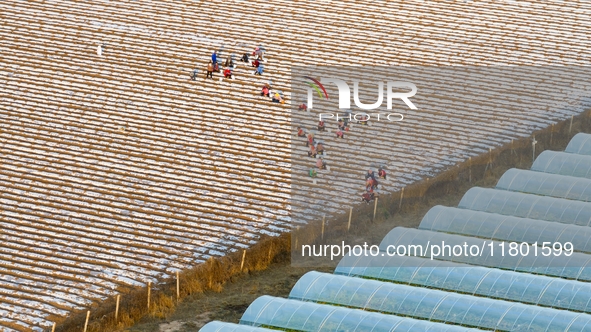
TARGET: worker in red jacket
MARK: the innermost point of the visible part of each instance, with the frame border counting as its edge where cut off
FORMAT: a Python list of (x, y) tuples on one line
[(265, 91), (321, 126), (310, 140), (301, 132), (382, 173), (227, 73)]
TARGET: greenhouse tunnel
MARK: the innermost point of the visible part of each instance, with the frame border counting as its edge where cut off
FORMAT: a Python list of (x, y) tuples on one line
[(575, 266), (434, 305), (470, 279), (563, 163), (580, 144), (527, 206), (217, 326), (553, 185), (500, 227), (274, 312)]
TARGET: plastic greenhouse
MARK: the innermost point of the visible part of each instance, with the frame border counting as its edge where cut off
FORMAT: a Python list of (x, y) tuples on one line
[(563, 163), (468, 279), (554, 185), (274, 312), (500, 227), (527, 206), (575, 266), (216, 326), (580, 144), (435, 305)]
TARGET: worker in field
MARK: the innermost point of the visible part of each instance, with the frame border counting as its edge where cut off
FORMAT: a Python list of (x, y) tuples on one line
[(312, 173), (371, 183), (301, 132), (312, 152), (363, 119), (319, 148), (214, 57), (259, 70), (229, 62), (368, 196), (209, 70), (258, 52), (194, 74), (320, 163), (321, 126), (277, 98), (382, 173), (310, 139), (346, 124), (340, 133), (265, 91), (227, 72)]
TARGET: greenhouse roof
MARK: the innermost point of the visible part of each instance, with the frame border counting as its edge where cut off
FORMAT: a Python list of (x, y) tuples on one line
[(575, 266), (501, 227), (563, 163), (527, 206), (554, 185), (470, 279), (434, 305), (217, 326), (580, 144), (306, 316)]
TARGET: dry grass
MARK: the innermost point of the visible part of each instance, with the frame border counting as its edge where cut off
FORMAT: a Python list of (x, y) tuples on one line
[(210, 276)]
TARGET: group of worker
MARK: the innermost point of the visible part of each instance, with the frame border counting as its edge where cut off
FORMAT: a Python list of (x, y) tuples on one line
[(276, 96), (229, 66), (371, 184), (316, 150), (213, 65)]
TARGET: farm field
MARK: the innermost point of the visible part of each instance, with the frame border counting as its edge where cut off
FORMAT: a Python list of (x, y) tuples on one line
[(117, 170)]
